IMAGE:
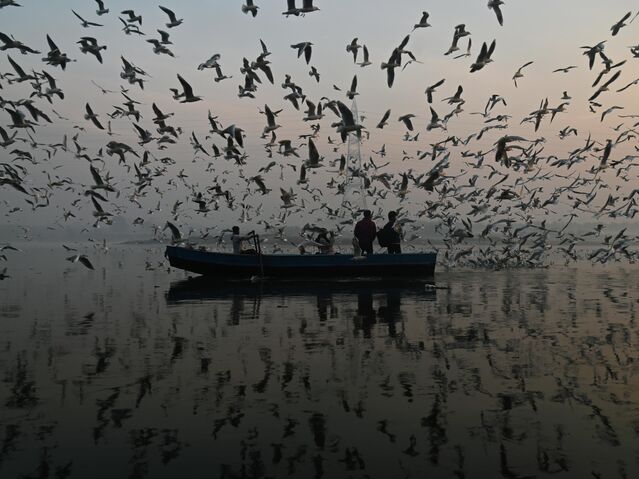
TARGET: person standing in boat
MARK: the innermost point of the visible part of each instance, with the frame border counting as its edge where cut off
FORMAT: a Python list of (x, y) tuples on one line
[(365, 232), (238, 239), (391, 234)]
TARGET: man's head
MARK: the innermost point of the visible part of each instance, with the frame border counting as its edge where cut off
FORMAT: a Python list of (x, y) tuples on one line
[(236, 230), (392, 215), (368, 214)]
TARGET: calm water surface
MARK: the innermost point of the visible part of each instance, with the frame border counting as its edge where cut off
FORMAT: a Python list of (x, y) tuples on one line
[(131, 371)]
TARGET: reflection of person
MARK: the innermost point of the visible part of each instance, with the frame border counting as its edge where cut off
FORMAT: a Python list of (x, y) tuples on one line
[(365, 232), (391, 234), (238, 239), (365, 317)]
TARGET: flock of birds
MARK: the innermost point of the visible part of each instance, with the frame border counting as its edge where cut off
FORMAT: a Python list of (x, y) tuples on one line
[(499, 194)]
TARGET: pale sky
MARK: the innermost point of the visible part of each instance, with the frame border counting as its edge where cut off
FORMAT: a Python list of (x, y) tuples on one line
[(547, 32)]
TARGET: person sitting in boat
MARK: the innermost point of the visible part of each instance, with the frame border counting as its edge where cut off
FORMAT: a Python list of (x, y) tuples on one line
[(365, 232), (390, 234), (238, 240), (325, 241)]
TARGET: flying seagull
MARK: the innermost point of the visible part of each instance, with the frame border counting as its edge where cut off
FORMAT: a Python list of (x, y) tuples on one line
[(494, 5), (187, 94), (174, 22)]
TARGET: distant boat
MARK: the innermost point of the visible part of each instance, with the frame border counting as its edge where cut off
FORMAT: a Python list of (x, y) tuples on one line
[(228, 265)]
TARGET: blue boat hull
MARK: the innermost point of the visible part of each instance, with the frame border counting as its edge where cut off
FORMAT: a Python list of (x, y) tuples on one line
[(223, 265)]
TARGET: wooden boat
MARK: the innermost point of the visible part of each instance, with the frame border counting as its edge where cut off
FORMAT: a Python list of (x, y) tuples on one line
[(228, 265)]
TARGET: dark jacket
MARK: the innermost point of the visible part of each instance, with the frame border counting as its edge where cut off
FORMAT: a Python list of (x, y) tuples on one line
[(391, 234), (365, 231)]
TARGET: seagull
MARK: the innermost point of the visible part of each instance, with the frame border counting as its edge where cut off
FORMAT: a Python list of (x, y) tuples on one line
[(22, 76), (519, 74), (9, 3), (431, 89), (483, 58), (494, 5), (250, 8), (82, 258), (55, 57), (305, 48), (350, 94), (383, 122), (423, 23), (314, 73), (406, 120), (86, 24), (174, 22), (457, 97), (620, 24), (132, 16), (564, 69), (6, 139), (92, 116), (632, 83), (604, 87), (434, 120), (175, 232), (366, 62), (353, 47), (210, 63), (291, 9), (307, 7), (90, 45), (10, 42), (101, 10), (270, 120), (164, 38), (393, 62), (187, 94)]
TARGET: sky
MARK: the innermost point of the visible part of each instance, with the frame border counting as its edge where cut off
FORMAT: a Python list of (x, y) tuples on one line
[(549, 33)]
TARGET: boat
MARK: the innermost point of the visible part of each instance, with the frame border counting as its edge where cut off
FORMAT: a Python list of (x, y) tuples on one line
[(229, 265)]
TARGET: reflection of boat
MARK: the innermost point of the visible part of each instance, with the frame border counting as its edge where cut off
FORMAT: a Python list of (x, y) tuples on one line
[(223, 265), (204, 288)]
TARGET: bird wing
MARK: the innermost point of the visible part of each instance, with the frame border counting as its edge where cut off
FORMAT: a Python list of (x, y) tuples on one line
[(52, 45), (16, 67), (81, 19), (97, 179), (313, 154), (188, 91), (500, 16), (169, 13), (345, 113)]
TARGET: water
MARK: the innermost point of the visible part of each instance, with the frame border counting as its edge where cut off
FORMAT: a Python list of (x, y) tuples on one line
[(129, 371)]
